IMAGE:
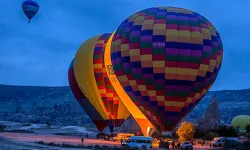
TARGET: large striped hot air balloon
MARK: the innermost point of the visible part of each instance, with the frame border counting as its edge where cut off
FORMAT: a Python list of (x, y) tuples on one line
[(92, 78), (166, 59), (83, 101), (146, 127), (30, 8)]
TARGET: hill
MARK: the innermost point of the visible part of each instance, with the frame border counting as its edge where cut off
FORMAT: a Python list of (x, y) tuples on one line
[(57, 106)]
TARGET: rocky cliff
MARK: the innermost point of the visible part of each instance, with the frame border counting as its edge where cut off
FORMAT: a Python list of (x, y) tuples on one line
[(57, 106)]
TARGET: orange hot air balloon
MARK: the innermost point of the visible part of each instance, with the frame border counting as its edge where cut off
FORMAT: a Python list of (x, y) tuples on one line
[(166, 59), (92, 78), (146, 127)]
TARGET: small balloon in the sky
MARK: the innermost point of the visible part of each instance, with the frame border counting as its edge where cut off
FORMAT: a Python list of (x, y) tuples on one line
[(30, 8)]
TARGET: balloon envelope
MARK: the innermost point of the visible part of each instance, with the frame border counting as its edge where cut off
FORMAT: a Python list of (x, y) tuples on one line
[(139, 117), (30, 8), (93, 80), (241, 121), (166, 59), (83, 101)]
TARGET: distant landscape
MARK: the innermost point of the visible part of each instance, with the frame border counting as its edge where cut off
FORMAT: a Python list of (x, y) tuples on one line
[(57, 105)]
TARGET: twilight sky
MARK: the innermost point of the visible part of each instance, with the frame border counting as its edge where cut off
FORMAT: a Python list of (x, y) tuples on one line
[(39, 53)]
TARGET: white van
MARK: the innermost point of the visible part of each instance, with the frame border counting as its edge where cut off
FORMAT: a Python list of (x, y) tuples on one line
[(219, 141), (143, 142)]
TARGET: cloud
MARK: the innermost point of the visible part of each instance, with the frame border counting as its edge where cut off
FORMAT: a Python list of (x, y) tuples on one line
[(39, 53)]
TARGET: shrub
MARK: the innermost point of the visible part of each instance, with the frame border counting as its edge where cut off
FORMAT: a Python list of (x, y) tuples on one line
[(27, 124), (40, 142), (248, 128), (51, 144), (2, 128), (227, 131), (199, 134), (186, 131), (48, 123), (210, 136)]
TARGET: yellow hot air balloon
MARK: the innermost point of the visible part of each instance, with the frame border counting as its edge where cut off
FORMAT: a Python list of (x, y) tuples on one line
[(146, 127), (92, 79)]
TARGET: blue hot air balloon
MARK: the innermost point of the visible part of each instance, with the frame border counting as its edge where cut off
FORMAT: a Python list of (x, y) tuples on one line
[(30, 8)]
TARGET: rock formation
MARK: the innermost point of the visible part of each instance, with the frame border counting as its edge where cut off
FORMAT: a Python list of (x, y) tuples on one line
[(211, 119)]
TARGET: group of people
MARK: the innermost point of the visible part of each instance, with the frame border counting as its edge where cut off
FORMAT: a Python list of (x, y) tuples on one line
[(168, 145), (172, 144)]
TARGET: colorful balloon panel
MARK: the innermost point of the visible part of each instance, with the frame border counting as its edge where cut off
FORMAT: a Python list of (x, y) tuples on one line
[(166, 59), (30, 8), (108, 94), (83, 101), (93, 81), (106, 90), (84, 73), (140, 118)]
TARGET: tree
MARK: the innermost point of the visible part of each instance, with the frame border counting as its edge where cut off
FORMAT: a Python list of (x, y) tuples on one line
[(18, 105), (227, 131), (47, 123), (210, 136), (199, 133), (2, 128), (248, 128), (186, 131)]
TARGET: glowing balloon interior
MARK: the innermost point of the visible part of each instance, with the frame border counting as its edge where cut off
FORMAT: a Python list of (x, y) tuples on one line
[(140, 118)]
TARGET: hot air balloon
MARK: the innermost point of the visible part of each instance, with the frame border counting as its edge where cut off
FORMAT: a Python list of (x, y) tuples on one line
[(146, 127), (83, 101), (166, 59), (30, 8), (241, 122), (92, 78)]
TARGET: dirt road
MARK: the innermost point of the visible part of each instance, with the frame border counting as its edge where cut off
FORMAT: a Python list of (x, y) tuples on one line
[(74, 140), (56, 139)]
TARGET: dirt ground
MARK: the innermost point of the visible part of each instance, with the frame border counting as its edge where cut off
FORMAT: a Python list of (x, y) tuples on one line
[(28, 141)]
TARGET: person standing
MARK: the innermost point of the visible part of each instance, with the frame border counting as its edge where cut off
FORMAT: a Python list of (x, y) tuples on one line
[(178, 145), (167, 145), (173, 144), (122, 144), (82, 140)]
